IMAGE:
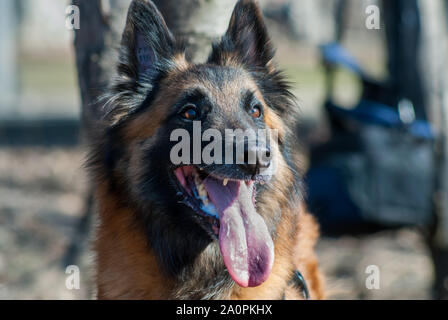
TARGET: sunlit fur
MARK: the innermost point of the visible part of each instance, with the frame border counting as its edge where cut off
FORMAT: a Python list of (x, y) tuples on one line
[(148, 245)]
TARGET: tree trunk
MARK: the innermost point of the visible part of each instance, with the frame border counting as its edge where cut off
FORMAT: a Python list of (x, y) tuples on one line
[(96, 44), (403, 44), (434, 51), (8, 56), (198, 22)]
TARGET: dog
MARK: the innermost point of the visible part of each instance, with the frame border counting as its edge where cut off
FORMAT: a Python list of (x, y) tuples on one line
[(248, 235)]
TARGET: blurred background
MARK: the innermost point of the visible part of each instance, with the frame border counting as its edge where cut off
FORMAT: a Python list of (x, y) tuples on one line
[(372, 89)]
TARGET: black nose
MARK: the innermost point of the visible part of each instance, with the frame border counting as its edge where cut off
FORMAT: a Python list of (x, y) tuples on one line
[(256, 159)]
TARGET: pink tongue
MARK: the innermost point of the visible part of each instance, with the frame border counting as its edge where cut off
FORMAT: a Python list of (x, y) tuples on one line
[(245, 243)]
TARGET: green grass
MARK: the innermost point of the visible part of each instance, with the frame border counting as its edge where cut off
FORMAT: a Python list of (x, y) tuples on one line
[(48, 76)]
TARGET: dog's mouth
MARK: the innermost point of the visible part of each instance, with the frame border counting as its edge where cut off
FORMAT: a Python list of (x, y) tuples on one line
[(227, 209)]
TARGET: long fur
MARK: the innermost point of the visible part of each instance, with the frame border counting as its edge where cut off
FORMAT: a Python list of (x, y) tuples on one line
[(148, 245)]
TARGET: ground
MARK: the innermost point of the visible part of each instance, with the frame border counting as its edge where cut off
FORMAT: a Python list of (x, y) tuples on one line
[(43, 195)]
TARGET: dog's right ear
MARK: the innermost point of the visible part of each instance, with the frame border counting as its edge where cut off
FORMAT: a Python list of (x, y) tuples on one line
[(146, 41), (147, 50)]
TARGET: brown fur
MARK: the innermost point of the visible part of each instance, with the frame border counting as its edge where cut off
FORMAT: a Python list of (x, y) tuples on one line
[(127, 265), (127, 269)]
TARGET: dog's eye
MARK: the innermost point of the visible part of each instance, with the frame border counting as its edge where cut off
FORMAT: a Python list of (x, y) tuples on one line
[(255, 112), (189, 112)]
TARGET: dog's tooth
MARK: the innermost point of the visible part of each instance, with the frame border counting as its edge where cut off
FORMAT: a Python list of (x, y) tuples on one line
[(224, 182), (201, 189)]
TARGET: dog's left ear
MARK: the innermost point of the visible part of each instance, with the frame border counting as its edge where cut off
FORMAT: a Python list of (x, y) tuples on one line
[(246, 38)]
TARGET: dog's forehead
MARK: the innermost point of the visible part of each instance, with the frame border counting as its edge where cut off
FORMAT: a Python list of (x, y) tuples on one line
[(220, 83)]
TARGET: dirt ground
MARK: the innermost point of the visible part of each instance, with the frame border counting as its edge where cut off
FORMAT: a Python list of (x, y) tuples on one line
[(42, 197)]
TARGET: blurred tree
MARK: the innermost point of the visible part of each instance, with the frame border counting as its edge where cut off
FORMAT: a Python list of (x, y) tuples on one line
[(403, 32), (8, 55), (434, 49), (199, 22), (96, 43)]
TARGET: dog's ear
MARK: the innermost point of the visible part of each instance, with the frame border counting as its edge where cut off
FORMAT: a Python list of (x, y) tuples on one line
[(147, 51), (146, 40), (246, 37)]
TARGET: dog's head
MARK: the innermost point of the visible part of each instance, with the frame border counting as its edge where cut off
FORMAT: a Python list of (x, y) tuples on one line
[(172, 145)]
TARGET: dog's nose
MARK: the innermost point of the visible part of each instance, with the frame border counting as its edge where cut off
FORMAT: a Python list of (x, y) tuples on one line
[(256, 159)]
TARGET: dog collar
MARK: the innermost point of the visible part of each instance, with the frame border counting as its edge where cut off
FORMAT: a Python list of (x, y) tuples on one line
[(299, 283)]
